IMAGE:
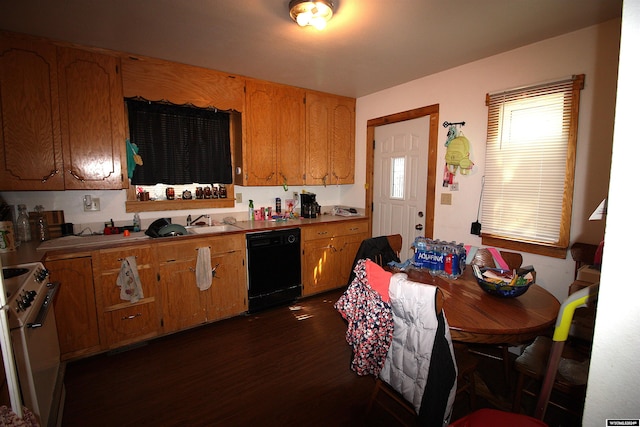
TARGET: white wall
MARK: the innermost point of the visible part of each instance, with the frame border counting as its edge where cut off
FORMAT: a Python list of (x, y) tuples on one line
[(112, 204), (613, 391), (461, 91)]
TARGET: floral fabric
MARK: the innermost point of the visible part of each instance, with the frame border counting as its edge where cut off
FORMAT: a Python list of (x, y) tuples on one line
[(369, 323)]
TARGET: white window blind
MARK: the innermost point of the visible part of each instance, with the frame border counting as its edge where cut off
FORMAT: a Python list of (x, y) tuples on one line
[(529, 162)]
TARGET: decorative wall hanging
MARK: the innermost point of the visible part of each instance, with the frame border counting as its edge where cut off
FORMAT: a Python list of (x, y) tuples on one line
[(458, 149)]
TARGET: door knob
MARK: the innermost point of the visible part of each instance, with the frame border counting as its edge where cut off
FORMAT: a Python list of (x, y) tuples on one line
[(419, 226)]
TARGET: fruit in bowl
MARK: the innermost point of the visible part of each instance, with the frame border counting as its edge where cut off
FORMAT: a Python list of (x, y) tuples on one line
[(504, 283)]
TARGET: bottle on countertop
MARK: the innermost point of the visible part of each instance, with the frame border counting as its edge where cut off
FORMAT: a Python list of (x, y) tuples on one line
[(251, 212), (42, 227), (22, 225), (136, 222)]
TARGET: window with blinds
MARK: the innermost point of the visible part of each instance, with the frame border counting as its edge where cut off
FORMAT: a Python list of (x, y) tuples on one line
[(529, 167)]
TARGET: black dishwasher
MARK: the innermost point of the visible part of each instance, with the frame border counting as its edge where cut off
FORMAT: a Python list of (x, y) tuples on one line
[(274, 268)]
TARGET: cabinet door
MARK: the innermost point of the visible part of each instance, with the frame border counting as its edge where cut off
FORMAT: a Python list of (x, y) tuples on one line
[(318, 140), (291, 147), (181, 297), (347, 249), (92, 119), (260, 151), (75, 306), (30, 143), (274, 152), (321, 266), (343, 141), (330, 140), (228, 293)]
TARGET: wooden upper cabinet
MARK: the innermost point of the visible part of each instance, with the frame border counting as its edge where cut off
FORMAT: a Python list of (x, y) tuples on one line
[(30, 144), (273, 151), (157, 80), (330, 139), (92, 120)]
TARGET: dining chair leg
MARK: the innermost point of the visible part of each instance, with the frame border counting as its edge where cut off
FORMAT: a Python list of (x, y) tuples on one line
[(517, 400), (506, 365)]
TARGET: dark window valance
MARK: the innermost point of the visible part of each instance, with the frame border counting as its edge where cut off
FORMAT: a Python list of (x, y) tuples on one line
[(179, 144)]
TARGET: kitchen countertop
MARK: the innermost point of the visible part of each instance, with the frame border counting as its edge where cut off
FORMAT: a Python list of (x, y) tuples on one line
[(74, 246)]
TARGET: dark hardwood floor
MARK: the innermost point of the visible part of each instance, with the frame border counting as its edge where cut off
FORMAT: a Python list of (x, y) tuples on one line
[(280, 367)]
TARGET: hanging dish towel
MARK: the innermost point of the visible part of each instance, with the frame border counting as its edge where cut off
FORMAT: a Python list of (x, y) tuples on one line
[(203, 269), (129, 280)]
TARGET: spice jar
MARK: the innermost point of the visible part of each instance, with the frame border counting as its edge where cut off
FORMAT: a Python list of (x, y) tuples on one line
[(170, 192)]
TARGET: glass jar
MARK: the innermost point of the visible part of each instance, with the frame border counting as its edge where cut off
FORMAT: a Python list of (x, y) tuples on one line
[(22, 225)]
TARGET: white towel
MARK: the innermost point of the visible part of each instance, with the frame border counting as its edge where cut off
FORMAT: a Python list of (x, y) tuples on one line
[(203, 269), (129, 281)]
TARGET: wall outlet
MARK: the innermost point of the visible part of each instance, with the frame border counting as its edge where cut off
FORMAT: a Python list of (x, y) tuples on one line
[(445, 199), (295, 196), (238, 197), (92, 205)]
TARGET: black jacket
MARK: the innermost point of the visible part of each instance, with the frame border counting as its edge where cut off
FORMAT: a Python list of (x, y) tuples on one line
[(371, 248)]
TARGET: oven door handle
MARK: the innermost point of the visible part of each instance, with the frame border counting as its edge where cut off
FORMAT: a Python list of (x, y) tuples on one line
[(52, 289)]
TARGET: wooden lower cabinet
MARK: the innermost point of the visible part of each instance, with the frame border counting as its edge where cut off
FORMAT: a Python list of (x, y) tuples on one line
[(75, 306), (183, 304), (123, 322), (328, 253)]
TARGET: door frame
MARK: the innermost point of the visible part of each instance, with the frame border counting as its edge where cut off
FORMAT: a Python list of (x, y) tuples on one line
[(434, 112)]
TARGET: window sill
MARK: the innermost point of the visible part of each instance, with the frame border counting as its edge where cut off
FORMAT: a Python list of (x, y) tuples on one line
[(533, 248), (179, 204)]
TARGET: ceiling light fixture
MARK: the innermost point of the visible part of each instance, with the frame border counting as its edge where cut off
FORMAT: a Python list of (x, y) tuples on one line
[(314, 13)]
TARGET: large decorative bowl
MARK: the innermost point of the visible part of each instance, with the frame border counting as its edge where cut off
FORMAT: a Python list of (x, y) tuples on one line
[(500, 290)]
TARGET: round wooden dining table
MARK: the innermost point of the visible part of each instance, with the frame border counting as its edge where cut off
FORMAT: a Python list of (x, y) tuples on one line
[(474, 316)]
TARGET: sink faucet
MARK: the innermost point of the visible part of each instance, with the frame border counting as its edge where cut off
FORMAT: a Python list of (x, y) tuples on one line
[(190, 222)]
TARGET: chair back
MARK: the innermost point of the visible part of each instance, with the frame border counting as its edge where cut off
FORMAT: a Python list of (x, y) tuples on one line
[(560, 335), (583, 254), (484, 258)]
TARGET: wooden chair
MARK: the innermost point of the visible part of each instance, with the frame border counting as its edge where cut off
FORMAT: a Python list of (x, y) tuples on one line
[(467, 365), (543, 361), (583, 254), (483, 258)]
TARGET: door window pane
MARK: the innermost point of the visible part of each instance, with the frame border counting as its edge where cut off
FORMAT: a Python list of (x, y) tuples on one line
[(397, 178)]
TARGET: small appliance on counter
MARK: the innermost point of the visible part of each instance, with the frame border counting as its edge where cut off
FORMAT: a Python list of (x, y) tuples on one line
[(310, 207)]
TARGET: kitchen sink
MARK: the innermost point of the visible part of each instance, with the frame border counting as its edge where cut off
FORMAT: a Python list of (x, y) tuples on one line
[(208, 229)]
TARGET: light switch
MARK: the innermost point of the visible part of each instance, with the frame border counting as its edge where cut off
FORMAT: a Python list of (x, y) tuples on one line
[(445, 199)]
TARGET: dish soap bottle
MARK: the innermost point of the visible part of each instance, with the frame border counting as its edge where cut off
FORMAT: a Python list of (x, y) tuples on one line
[(42, 228), (251, 212), (23, 226), (136, 222)]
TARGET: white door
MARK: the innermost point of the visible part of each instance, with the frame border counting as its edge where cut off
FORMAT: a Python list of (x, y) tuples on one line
[(400, 180)]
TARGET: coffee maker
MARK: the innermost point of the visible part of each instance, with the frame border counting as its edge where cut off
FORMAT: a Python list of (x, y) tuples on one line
[(309, 207)]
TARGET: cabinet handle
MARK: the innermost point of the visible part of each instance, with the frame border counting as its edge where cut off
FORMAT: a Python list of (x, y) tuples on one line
[(51, 175), (270, 176), (324, 179), (322, 232), (133, 316), (122, 259), (76, 176), (337, 178), (213, 270)]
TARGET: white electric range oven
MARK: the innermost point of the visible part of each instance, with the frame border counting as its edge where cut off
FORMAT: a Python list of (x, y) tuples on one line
[(34, 339)]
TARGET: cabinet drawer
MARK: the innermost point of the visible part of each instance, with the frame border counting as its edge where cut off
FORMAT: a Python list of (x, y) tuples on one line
[(189, 249), (352, 227), (111, 259), (131, 324), (328, 230)]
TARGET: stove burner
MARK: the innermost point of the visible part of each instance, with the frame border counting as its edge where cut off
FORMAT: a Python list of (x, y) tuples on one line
[(8, 272)]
